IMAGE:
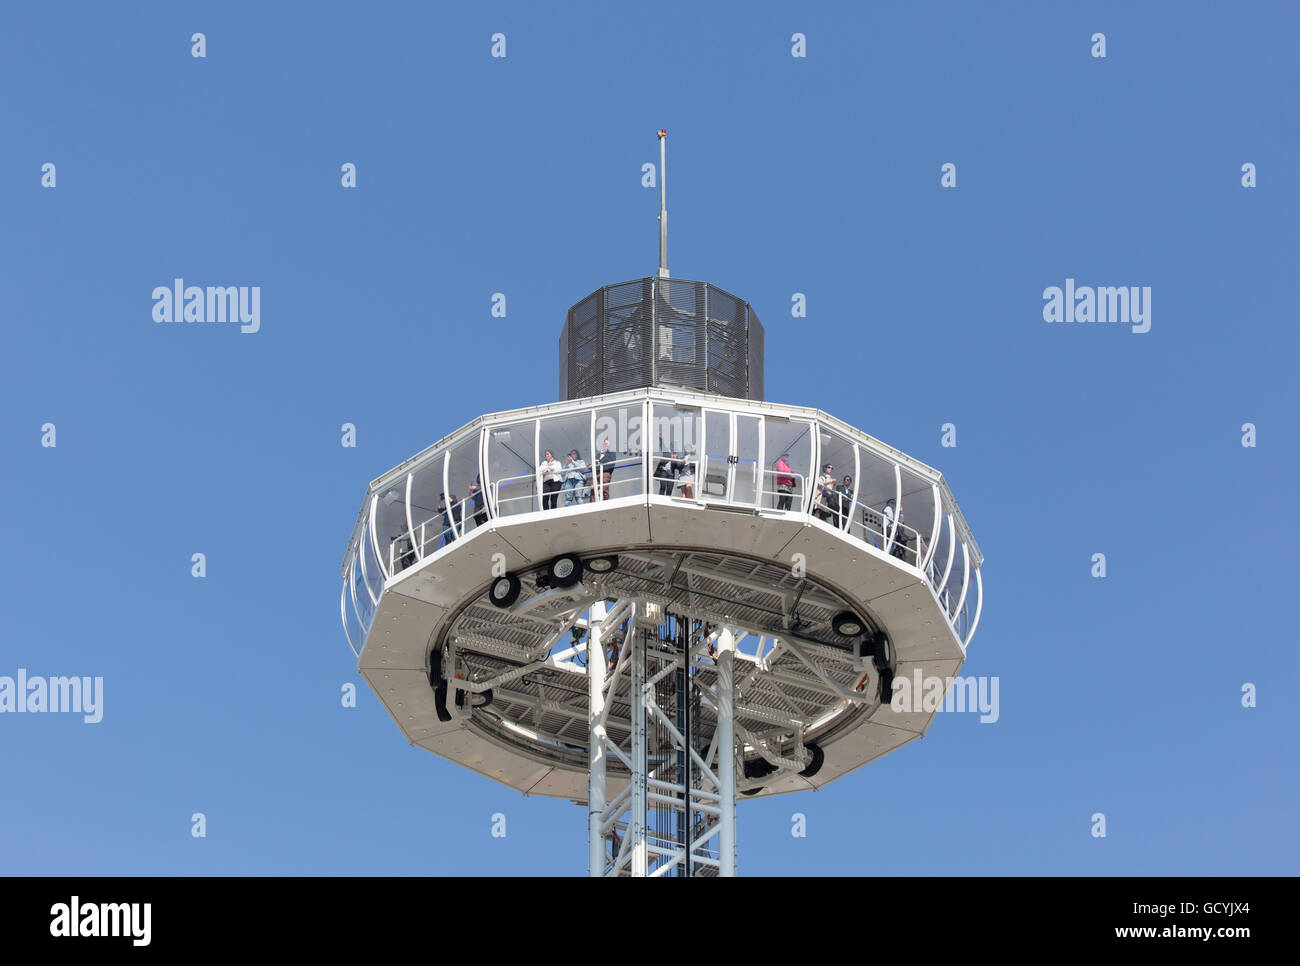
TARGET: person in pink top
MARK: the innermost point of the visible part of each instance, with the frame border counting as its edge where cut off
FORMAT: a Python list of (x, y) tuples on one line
[(784, 482)]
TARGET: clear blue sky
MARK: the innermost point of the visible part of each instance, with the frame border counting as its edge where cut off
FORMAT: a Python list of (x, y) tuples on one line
[(817, 175)]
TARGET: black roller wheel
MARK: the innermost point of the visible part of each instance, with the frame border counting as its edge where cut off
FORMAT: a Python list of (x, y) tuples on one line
[(439, 686), (882, 651), (815, 764), (759, 768), (504, 590), (476, 700), (565, 570), (848, 624), (886, 686)]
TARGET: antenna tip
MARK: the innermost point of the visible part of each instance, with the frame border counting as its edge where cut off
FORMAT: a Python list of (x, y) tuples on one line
[(663, 132)]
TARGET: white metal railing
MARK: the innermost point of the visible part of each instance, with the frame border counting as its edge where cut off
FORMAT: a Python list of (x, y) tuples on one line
[(521, 494), (771, 496), (718, 478)]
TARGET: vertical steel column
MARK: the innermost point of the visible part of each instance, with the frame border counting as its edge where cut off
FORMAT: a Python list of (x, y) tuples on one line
[(663, 204), (640, 757), (726, 754), (596, 739), (683, 675)]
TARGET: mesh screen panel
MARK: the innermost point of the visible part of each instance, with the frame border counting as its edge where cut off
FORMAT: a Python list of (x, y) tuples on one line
[(667, 332)]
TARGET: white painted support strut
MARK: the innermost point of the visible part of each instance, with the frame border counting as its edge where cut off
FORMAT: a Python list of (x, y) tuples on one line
[(596, 738), (726, 754), (636, 835)]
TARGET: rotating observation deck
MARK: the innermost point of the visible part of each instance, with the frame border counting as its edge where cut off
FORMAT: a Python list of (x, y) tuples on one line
[(748, 546), (662, 591)]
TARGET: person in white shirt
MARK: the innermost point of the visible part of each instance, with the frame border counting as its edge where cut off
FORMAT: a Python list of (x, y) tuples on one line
[(552, 476), (888, 516)]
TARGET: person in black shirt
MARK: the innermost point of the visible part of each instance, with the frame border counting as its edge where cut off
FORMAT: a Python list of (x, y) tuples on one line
[(476, 500), (666, 474), (606, 460), (843, 501)]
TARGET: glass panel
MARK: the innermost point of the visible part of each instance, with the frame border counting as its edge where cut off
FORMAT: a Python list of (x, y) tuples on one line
[(876, 485), (358, 601), (371, 577), (915, 518), (618, 433), (568, 439), (940, 559), (834, 484), (714, 466), (394, 535), (351, 627), (426, 485), (952, 590), (674, 433), (467, 508), (512, 467), (748, 473), (788, 454)]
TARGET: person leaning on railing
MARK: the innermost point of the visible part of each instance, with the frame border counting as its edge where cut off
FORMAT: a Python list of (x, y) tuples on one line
[(574, 471)]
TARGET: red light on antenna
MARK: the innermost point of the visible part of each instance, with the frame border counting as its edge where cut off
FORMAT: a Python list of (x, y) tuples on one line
[(663, 132)]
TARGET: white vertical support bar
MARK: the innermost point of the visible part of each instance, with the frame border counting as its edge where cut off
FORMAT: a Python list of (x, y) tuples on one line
[(979, 605), (591, 459), (761, 466), (732, 462), (934, 530), (446, 492), (636, 830), (410, 522), (596, 742), (701, 457), (815, 467), (857, 482), (965, 580), (647, 460), (481, 461), (490, 491), (726, 754), (374, 536), (537, 457)]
